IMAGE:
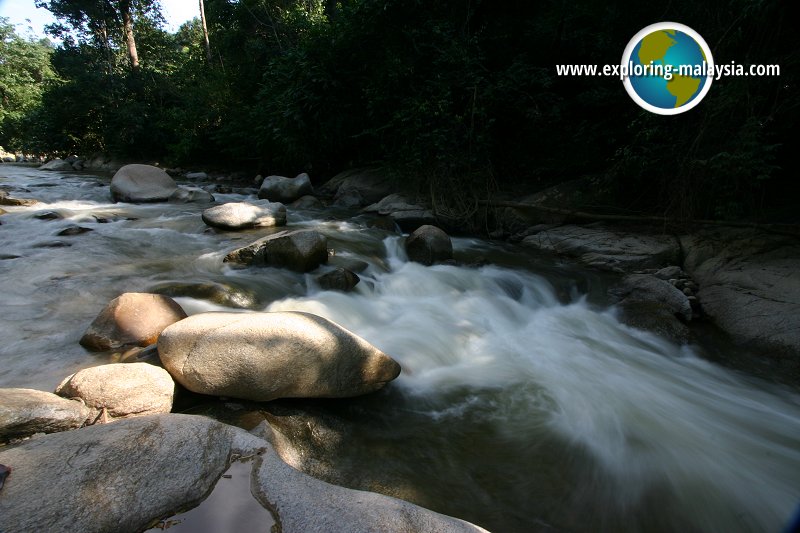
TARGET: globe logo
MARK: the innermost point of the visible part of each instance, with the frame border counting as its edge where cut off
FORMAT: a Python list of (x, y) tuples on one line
[(667, 68)]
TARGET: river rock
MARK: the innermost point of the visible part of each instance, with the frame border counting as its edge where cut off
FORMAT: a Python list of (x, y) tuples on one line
[(339, 279), (654, 305), (71, 231), (243, 215), (749, 285), (5, 199), (670, 272), (122, 390), (303, 504), (132, 318), (299, 250), (141, 184), (405, 213), (368, 185), (56, 164), (218, 293), (116, 477), (285, 190), (25, 412), (264, 356), (307, 202), (429, 245), (185, 195), (608, 249), (196, 176)]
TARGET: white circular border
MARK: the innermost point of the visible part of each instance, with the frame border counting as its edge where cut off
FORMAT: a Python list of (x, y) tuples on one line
[(626, 56)]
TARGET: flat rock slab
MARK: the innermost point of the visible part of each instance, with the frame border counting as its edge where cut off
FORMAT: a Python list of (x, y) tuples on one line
[(264, 356), (302, 504), (749, 285), (299, 250), (608, 249), (116, 477), (25, 412)]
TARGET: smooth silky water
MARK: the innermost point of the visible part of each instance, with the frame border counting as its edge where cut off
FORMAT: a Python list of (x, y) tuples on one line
[(523, 405)]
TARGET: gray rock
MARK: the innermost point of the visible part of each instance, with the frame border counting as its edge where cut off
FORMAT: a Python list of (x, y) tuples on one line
[(243, 215), (218, 293), (285, 190), (56, 164), (196, 176), (117, 477), (141, 184), (131, 319), (608, 249), (5, 199), (370, 185), (749, 285), (24, 412), (264, 356), (339, 279), (654, 305), (258, 180), (73, 230), (299, 250), (647, 288), (122, 390), (429, 245), (78, 165), (184, 195), (406, 214), (302, 504), (307, 202), (670, 272)]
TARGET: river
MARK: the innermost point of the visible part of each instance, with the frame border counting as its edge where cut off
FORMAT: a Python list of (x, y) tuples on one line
[(523, 405)]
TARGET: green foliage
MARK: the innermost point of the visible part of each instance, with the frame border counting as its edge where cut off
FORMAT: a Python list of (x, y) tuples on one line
[(25, 73)]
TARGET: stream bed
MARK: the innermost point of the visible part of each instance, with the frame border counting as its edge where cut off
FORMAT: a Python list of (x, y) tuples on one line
[(523, 405)]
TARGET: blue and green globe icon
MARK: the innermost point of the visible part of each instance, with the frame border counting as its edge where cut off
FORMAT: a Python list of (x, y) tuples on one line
[(668, 68)]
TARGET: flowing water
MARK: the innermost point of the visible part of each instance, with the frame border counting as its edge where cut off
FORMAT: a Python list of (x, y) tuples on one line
[(524, 405)]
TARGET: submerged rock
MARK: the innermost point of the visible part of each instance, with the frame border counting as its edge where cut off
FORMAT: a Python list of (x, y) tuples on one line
[(185, 195), (131, 319), (117, 477), (122, 390), (429, 245), (299, 250), (71, 231), (5, 199), (142, 184), (264, 356), (608, 249), (25, 412), (652, 304), (283, 189), (220, 294), (243, 215)]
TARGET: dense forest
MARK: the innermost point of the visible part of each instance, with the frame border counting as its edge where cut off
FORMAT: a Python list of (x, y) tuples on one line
[(456, 98)]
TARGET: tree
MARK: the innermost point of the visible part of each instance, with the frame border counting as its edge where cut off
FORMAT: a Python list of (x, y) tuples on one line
[(205, 31)]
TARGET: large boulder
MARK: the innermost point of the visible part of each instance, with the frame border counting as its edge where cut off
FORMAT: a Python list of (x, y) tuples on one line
[(122, 390), (749, 285), (652, 304), (264, 356), (608, 249), (131, 319), (117, 477), (299, 250), (338, 279), (25, 412), (142, 184), (243, 215), (359, 186), (405, 213), (56, 164), (285, 190), (429, 245)]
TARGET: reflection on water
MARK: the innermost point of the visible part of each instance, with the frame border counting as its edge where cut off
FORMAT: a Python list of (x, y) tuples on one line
[(523, 405)]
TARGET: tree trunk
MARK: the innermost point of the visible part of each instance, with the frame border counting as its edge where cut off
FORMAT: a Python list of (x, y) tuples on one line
[(205, 31), (127, 22)]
